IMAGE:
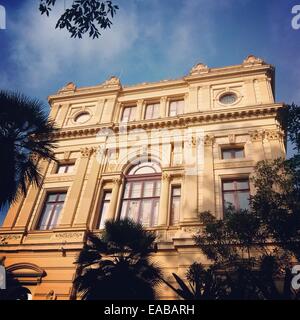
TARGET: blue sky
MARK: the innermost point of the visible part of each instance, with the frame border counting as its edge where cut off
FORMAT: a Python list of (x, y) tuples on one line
[(150, 40)]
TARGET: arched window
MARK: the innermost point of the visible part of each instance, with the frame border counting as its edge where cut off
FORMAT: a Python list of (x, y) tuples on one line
[(141, 195)]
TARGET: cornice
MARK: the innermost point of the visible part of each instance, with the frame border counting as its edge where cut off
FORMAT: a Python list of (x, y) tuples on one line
[(199, 73), (214, 116)]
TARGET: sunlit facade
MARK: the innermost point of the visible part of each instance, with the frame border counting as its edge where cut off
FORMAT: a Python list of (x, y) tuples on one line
[(158, 153)]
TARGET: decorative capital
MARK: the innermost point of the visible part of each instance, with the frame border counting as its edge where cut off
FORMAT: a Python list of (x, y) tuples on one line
[(86, 152), (166, 176), (274, 134), (117, 181), (256, 135), (209, 140), (199, 68)]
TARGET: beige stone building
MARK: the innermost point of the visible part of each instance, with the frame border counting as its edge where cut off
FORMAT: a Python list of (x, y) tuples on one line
[(156, 152)]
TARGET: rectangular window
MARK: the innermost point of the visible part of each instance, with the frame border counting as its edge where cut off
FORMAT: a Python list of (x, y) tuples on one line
[(236, 193), (65, 168), (175, 204), (176, 108), (51, 211), (152, 111), (104, 208), (232, 153), (129, 114)]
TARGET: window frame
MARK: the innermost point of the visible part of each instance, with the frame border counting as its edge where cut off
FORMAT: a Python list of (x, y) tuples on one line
[(235, 191), (130, 107), (143, 179), (153, 116), (44, 202), (176, 101), (232, 150), (172, 196), (67, 166), (102, 203)]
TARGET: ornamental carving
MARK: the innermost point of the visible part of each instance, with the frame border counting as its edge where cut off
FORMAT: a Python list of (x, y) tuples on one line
[(68, 235), (192, 230), (117, 181), (166, 176), (274, 134), (231, 138), (199, 68), (112, 81), (86, 152), (5, 239), (209, 140), (252, 60), (69, 87), (256, 135)]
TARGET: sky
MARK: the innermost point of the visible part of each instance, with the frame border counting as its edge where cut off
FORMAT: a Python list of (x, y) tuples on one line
[(150, 40)]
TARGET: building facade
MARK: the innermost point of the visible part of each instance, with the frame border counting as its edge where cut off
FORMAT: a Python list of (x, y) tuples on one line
[(158, 153)]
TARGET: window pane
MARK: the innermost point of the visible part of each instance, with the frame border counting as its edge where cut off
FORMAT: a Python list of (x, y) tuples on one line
[(239, 153), (242, 184), (145, 214), (149, 111), (157, 189), (155, 213), (70, 168), (124, 209), (136, 190), (127, 188), (52, 197), (103, 216), (180, 106), (125, 115), (173, 108), (228, 199), (55, 216), (133, 210), (243, 198), (61, 169), (107, 195), (175, 210), (156, 111), (226, 154), (62, 197), (176, 191), (132, 114), (45, 216), (228, 185), (148, 189)]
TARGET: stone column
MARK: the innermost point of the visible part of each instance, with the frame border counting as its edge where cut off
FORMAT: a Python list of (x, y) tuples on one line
[(163, 107), (164, 200), (30, 200), (208, 175), (111, 213), (275, 140), (88, 197), (192, 106), (72, 201), (256, 138), (62, 115), (250, 92), (139, 110)]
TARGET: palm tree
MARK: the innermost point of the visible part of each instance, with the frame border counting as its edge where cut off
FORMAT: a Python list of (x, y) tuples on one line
[(25, 135), (117, 265)]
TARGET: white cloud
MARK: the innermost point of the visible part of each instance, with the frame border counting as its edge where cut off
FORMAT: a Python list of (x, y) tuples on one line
[(42, 53)]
